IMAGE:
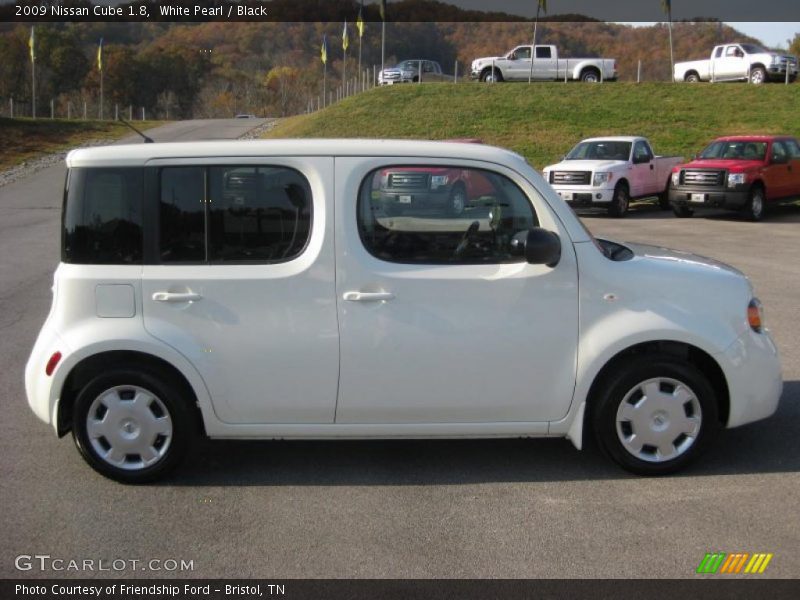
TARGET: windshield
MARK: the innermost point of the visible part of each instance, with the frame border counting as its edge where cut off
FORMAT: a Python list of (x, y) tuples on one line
[(735, 150), (752, 48), (600, 150), (408, 65)]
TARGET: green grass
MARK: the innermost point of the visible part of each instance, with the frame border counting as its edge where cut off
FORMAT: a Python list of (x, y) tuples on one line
[(27, 139), (544, 120)]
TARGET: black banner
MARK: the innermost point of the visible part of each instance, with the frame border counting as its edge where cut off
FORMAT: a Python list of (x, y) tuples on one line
[(397, 10), (395, 589)]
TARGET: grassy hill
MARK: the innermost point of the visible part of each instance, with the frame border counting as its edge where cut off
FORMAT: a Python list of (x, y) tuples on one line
[(543, 121)]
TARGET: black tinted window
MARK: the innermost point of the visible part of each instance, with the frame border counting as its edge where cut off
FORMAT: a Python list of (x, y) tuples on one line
[(182, 213), (442, 215), (543, 53), (233, 213), (102, 221), (257, 213)]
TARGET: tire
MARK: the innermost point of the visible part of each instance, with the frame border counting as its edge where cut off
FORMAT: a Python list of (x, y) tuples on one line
[(620, 202), (131, 426), (655, 415), (663, 197), (758, 76), (487, 76), (682, 212), (755, 207), (692, 78), (590, 76), (457, 201)]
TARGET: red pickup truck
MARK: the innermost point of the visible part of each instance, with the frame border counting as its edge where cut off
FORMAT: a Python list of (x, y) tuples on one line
[(447, 189), (744, 173)]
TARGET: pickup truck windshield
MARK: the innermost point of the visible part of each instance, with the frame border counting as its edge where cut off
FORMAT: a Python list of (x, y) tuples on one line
[(600, 150), (735, 150)]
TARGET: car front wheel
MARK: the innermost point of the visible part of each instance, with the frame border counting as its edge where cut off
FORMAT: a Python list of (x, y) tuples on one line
[(655, 415), (620, 202), (131, 426), (754, 209)]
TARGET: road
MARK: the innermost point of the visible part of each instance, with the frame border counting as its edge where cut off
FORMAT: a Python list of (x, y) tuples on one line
[(502, 508)]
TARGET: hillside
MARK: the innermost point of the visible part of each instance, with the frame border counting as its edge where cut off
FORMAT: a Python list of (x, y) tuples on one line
[(217, 69), (543, 121)]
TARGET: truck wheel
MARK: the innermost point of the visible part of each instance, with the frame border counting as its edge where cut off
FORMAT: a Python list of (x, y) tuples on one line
[(682, 212), (457, 201), (663, 197), (590, 75), (758, 76), (620, 202), (490, 77), (692, 78), (655, 415), (754, 209)]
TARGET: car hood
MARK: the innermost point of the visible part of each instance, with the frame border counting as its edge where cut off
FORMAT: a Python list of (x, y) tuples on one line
[(709, 163), (585, 165), (694, 261), (488, 59)]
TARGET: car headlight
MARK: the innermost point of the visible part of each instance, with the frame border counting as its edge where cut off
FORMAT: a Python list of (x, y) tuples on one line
[(755, 315), (601, 178), (438, 180), (735, 179), (676, 178)]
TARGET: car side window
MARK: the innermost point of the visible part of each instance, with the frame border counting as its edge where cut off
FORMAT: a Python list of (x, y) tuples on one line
[(718, 52), (641, 152), (778, 151), (523, 53), (793, 148), (233, 214), (544, 53), (442, 215)]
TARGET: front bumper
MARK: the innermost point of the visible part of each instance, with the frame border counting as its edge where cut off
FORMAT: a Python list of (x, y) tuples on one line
[(753, 372), (415, 198), (578, 196), (731, 199)]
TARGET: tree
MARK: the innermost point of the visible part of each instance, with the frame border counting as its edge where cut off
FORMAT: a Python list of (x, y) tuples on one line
[(794, 45)]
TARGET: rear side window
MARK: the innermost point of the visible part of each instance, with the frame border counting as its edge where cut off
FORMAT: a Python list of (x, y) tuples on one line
[(102, 216), (442, 215), (233, 214)]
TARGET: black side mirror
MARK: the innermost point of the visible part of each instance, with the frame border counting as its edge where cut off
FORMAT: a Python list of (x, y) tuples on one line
[(538, 246)]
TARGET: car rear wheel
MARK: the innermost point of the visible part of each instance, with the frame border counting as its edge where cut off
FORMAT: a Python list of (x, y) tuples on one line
[(692, 78), (590, 76), (131, 426), (620, 202), (754, 209), (655, 415)]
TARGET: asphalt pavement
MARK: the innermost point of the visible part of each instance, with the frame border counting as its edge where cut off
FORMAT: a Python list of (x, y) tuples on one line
[(496, 508)]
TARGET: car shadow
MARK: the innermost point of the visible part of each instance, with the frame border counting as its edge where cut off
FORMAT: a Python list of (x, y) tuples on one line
[(772, 445), (785, 213)]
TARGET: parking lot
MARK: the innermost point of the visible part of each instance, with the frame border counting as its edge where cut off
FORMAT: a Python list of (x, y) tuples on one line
[(498, 508)]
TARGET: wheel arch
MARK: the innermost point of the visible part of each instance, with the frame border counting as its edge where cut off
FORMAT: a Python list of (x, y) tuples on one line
[(88, 367), (588, 68), (695, 356), (689, 73)]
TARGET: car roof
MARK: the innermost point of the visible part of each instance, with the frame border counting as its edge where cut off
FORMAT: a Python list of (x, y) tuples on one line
[(139, 154), (616, 138), (751, 138)]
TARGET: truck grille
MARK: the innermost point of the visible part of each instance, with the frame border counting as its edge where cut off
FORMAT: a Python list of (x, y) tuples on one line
[(705, 177), (408, 180), (570, 177)]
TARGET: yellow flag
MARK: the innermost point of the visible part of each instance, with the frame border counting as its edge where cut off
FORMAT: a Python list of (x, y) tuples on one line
[(100, 55), (32, 44), (360, 23), (323, 51), (345, 38)]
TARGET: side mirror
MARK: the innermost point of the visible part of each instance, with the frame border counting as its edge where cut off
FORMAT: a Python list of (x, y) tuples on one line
[(538, 246)]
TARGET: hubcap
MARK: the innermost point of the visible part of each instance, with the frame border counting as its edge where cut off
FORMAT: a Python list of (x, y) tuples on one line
[(758, 205), (659, 419), (457, 202), (757, 77), (129, 427)]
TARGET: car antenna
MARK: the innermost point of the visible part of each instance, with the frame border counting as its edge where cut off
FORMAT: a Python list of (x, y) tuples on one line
[(147, 139)]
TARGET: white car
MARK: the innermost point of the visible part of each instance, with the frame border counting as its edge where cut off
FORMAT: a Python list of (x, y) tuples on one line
[(241, 290), (739, 62), (609, 172)]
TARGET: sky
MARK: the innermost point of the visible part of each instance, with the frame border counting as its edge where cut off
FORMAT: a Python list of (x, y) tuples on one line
[(771, 34)]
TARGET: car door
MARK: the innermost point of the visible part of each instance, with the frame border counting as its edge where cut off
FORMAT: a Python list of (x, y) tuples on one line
[(440, 325), (518, 64), (241, 282), (545, 67), (793, 149), (778, 175), (642, 170), (731, 65)]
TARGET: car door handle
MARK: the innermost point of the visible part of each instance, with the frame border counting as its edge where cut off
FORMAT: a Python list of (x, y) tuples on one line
[(176, 297), (368, 296)]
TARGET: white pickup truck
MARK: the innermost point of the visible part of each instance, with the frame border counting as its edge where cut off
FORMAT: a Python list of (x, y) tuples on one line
[(516, 66), (738, 62), (610, 171)]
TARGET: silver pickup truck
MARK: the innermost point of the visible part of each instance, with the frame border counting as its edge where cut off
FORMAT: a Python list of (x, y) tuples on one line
[(516, 66), (738, 62), (407, 71)]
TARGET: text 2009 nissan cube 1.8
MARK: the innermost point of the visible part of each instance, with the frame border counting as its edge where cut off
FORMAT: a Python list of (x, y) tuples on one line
[(259, 290)]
